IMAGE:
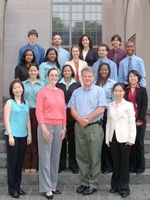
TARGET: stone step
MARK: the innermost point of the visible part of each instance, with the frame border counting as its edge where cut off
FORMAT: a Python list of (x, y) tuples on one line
[(67, 178)]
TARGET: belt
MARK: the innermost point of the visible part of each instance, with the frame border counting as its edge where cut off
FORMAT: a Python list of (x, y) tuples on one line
[(92, 123)]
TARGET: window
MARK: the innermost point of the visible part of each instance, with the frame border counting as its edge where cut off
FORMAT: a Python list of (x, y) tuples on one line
[(72, 18)]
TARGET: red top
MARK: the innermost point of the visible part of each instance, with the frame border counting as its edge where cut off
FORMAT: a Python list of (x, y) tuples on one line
[(77, 67), (132, 98), (50, 107)]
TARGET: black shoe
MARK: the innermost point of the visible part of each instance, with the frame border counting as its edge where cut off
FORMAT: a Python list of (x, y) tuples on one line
[(124, 195), (15, 195), (105, 172), (89, 190), (21, 192), (81, 188), (138, 173), (75, 171), (131, 172), (61, 169), (56, 192), (49, 197), (113, 191)]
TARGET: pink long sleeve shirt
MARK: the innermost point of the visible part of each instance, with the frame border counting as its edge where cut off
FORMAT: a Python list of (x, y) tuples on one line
[(50, 107)]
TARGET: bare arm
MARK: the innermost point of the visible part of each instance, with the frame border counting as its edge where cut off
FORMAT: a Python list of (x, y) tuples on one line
[(96, 113), (29, 138)]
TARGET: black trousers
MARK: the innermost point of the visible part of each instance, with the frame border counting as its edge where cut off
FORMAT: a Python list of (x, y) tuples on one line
[(137, 159), (71, 148), (15, 157), (120, 156), (106, 157)]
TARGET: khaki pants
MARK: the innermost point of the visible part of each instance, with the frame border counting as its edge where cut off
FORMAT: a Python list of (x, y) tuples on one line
[(88, 142)]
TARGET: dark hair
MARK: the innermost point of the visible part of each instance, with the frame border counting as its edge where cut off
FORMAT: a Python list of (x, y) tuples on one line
[(98, 81), (67, 65), (33, 31), (55, 35), (80, 55), (129, 42), (51, 70), (119, 84), (22, 59), (136, 73), (103, 45), (11, 90), (56, 60), (34, 65), (118, 37), (80, 42)]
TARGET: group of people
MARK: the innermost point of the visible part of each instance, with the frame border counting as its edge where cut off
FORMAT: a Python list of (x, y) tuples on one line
[(95, 100)]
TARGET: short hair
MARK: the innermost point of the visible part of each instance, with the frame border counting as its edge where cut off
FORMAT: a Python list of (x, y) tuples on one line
[(120, 84), (34, 65), (56, 60), (129, 42), (80, 41), (11, 90), (51, 70), (136, 73), (116, 36), (33, 31), (103, 45), (67, 65), (87, 69), (55, 35), (98, 81), (80, 53), (22, 59)]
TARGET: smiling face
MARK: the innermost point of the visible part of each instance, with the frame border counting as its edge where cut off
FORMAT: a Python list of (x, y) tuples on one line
[(102, 52), (29, 57), (53, 76), (17, 90), (75, 53), (67, 73), (85, 42), (104, 71), (119, 93), (116, 43), (133, 79), (130, 48), (33, 72), (87, 78), (32, 38), (51, 56)]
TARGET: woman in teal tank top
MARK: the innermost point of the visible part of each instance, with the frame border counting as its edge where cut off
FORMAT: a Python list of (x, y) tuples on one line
[(18, 135)]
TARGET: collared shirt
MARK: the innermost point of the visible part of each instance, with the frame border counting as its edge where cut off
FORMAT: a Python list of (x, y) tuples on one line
[(121, 54), (118, 106), (108, 87), (63, 56), (137, 64), (38, 51), (43, 70), (31, 91), (113, 67), (86, 101), (71, 82)]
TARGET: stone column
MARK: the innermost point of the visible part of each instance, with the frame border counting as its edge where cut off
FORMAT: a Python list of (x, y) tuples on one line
[(2, 15)]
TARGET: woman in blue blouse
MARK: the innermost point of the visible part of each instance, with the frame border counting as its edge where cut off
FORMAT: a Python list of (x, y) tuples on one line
[(107, 84), (32, 85), (68, 84), (50, 61), (18, 135)]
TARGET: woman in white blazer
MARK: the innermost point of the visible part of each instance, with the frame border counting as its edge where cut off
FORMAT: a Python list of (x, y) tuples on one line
[(120, 135), (76, 61)]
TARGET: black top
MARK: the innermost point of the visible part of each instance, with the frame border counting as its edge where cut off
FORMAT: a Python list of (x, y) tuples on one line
[(21, 72), (91, 57), (68, 94), (142, 102)]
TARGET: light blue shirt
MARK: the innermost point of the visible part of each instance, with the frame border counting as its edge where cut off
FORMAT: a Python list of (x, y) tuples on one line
[(63, 56), (31, 91), (18, 119), (137, 64), (113, 68), (43, 70), (38, 51), (86, 101), (71, 82), (108, 87)]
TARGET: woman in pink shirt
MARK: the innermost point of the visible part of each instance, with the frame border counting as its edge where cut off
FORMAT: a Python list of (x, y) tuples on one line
[(51, 116)]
